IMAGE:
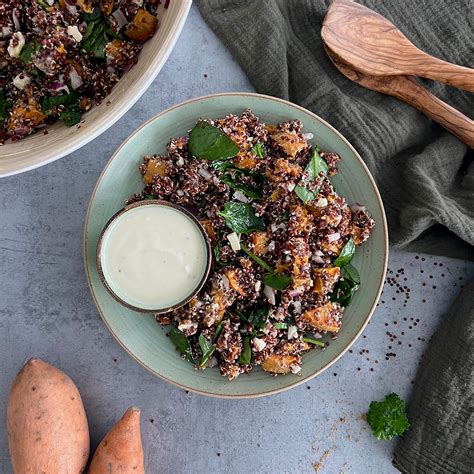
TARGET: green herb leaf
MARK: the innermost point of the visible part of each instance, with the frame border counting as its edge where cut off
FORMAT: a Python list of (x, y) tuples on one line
[(4, 106), (67, 100), (149, 197), (241, 218), (70, 117), (349, 272), (315, 168), (210, 143), (277, 280), (280, 326), (258, 316), (387, 418), (312, 340), (346, 254), (96, 35), (28, 51), (246, 355), (259, 150), (218, 331), (42, 4), (207, 349), (222, 165), (346, 288), (181, 342), (262, 263), (249, 190)]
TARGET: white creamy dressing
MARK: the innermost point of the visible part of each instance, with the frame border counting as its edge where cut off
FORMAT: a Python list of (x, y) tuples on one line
[(153, 256)]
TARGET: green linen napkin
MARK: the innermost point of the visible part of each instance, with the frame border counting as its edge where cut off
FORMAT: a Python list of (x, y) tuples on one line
[(422, 171)]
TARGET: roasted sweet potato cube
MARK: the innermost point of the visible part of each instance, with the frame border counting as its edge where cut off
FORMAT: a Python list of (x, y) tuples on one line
[(245, 160), (358, 234), (234, 283), (324, 318), (300, 219), (86, 5), (106, 6), (209, 228), (324, 279), (29, 114), (278, 363), (142, 27), (333, 248), (259, 241), (286, 169), (154, 167), (290, 142)]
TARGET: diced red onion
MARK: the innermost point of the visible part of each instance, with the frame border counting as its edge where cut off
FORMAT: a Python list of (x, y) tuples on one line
[(308, 136), (271, 246), (296, 292), (334, 237), (6, 31), (269, 292), (319, 253), (120, 18), (240, 196), (204, 173), (297, 306), (180, 193), (225, 282), (16, 19), (357, 207), (58, 86), (292, 332), (76, 79), (317, 259), (111, 70), (70, 7)]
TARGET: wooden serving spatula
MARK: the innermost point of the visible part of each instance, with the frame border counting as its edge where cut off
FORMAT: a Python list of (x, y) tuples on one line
[(406, 88), (371, 44)]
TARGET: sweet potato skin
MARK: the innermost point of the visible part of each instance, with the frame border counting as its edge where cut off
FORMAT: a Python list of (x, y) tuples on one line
[(121, 449), (46, 422)]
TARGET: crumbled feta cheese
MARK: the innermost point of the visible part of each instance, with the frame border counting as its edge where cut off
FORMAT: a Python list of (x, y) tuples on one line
[(295, 369), (259, 344), (21, 81), (291, 186), (180, 161), (185, 326), (258, 285), (240, 196), (292, 332), (75, 33), (16, 44), (322, 202), (234, 240)]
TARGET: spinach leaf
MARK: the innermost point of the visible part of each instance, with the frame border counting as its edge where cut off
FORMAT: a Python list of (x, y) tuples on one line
[(249, 190), (67, 100), (181, 342), (4, 106), (277, 280), (262, 263), (70, 117), (28, 51), (218, 330), (96, 35), (258, 316), (246, 355), (149, 197), (241, 218), (280, 326), (210, 143), (346, 254), (312, 340), (207, 349), (217, 256), (346, 288), (221, 165), (259, 150), (316, 167)]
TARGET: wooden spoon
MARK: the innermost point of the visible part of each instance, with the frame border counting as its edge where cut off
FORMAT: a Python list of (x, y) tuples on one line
[(372, 45), (406, 88)]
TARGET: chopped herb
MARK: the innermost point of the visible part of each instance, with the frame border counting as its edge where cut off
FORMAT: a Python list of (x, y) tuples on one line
[(210, 143), (221, 165), (258, 317), (249, 190), (346, 288), (346, 254), (43, 4), (217, 256), (149, 197), (254, 257), (387, 418), (246, 355), (312, 340), (207, 349), (28, 51), (349, 272), (181, 342), (71, 115), (97, 34), (4, 106), (280, 326), (240, 217), (218, 331), (315, 168), (277, 280), (259, 150)]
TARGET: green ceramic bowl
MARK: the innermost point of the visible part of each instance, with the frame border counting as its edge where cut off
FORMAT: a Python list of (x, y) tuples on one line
[(139, 334)]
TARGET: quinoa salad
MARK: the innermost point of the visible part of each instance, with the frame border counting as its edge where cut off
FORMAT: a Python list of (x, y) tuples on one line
[(282, 241), (58, 58)]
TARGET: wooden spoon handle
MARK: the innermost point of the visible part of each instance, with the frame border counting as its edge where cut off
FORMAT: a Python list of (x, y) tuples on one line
[(439, 70), (409, 90)]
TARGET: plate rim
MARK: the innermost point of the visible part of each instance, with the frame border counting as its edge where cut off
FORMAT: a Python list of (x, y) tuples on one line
[(297, 382)]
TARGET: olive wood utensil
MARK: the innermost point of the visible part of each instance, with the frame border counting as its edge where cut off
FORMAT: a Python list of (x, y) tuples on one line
[(406, 88), (371, 44)]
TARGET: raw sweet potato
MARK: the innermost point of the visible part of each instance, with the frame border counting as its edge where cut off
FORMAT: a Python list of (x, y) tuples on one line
[(121, 449), (46, 422)]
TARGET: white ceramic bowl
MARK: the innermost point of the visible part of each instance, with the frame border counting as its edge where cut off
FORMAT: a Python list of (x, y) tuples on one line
[(39, 149)]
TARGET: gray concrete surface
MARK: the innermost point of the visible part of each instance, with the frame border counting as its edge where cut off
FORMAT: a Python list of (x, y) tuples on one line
[(46, 311)]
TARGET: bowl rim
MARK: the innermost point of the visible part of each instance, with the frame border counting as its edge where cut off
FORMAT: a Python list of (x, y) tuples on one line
[(163, 203), (140, 87), (384, 225)]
